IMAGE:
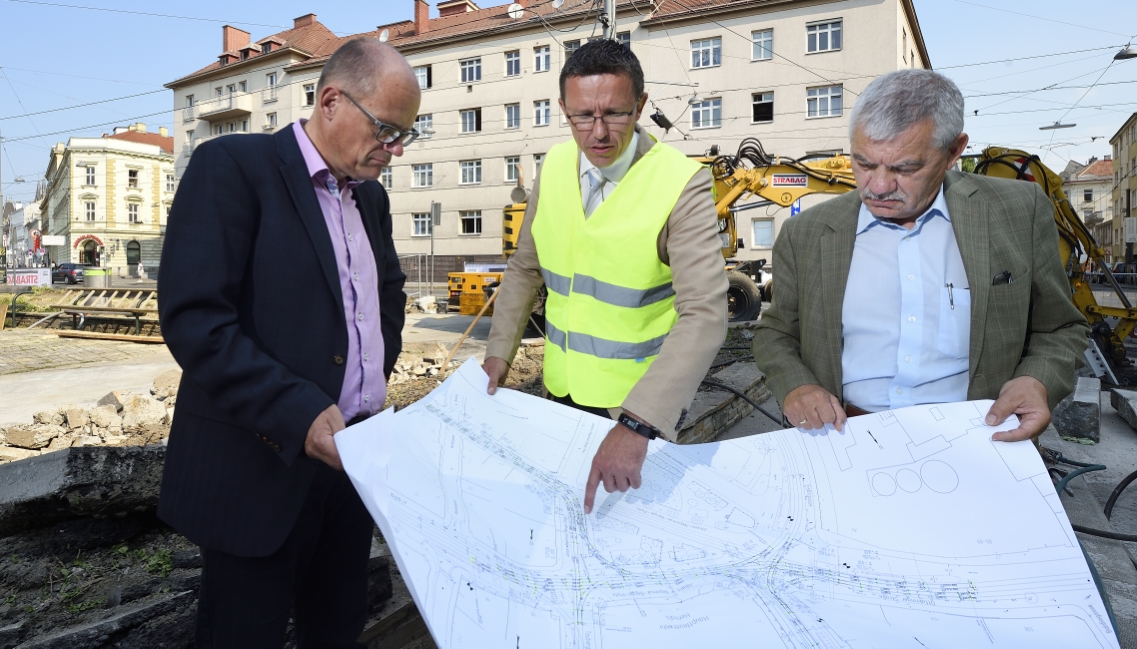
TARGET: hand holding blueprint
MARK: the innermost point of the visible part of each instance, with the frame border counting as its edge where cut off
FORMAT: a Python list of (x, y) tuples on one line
[(910, 529)]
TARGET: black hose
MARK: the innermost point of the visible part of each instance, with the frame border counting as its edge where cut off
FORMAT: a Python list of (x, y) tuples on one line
[(1117, 492), (745, 398), (735, 349), (1105, 534)]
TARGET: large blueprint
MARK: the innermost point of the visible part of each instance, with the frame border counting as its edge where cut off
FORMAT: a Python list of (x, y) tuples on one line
[(910, 529)]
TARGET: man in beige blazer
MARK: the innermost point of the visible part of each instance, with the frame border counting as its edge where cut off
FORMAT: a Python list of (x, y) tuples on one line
[(865, 313)]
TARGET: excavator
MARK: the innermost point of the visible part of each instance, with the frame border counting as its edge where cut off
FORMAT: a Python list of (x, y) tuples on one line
[(775, 180)]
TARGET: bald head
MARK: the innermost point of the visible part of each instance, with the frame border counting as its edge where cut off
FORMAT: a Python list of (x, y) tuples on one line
[(362, 65)]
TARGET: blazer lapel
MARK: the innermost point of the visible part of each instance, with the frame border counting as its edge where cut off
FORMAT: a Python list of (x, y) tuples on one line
[(970, 224), (299, 184), (836, 258)]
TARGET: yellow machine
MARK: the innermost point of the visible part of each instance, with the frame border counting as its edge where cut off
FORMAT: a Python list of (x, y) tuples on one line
[(1075, 245)]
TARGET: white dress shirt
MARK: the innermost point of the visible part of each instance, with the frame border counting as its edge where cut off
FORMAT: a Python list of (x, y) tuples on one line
[(906, 317), (607, 177)]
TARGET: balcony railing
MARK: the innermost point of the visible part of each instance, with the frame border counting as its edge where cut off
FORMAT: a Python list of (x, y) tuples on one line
[(225, 106), (188, 114), (268, 95)]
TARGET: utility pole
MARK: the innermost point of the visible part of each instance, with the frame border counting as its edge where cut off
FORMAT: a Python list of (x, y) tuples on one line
[(609, 19)]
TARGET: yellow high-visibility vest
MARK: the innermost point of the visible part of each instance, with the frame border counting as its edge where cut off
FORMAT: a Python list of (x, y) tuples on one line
[(610, 304)]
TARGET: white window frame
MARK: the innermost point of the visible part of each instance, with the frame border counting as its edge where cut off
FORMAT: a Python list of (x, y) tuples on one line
[(706, 52), (824, 30), (471, 172), (271, 84), (538, 159), (625, 39), (90, 209), (471, 69), (475, 217), (754, 243), (133, 178), (542, 112), (132, 213), (422, 175), (513, 63), (471, 120), (570, 47), (271, 121), (422, 74), (309, 90), (169, 182), (91, 179), (1088, 195), (512, 169), (707, 114), (823, 95), (424, 124), (762, 45), (542, 59), (421, 224), (513, 116), (762, 98), (387, 178)]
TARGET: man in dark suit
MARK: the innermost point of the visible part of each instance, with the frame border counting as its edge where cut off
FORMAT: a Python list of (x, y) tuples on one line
[(282, 301)]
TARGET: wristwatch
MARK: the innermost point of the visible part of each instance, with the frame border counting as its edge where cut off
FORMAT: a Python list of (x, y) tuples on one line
[(638, 426)]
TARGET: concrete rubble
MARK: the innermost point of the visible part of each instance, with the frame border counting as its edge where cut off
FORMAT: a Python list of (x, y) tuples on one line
[(1079, 414), (429, 364)]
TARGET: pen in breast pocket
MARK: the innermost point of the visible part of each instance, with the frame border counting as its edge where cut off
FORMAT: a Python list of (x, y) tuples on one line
[(950, 297)]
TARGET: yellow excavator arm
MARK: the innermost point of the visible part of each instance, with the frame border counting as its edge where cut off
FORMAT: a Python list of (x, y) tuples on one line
[(1075, 245)]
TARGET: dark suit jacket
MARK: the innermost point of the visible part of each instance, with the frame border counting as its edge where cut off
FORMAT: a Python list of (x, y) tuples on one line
[(251, 308), (1027, 327)]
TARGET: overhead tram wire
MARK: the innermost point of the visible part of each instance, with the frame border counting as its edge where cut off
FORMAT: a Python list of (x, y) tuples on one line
[(92, 103), (1049, 20)]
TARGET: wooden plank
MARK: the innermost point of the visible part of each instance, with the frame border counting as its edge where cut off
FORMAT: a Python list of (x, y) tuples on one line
[(146, 340), (3, 314)]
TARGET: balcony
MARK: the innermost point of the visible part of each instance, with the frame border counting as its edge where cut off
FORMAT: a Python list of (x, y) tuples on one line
[(225, 107), (188, 114), (268, 95)]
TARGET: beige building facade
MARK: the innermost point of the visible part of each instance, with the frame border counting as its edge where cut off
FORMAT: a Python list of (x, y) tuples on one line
[(1124, 143), (1090, 191), (784, 71), (109, 198)]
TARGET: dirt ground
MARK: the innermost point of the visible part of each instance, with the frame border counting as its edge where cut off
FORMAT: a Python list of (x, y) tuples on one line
[(524, 375)]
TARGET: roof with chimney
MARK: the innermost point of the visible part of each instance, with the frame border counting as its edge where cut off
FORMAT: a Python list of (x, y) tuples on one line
[(1096, 170), (463, 19)]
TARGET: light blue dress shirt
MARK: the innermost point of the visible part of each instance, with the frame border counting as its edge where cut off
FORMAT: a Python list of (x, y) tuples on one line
[(906, 317)]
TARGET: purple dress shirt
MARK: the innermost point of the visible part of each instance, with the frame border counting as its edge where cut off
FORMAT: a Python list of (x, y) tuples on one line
[(364, 386)]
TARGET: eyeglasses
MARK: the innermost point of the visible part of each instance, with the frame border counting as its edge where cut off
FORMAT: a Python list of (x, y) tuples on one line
[(386, 134), (585, 122)]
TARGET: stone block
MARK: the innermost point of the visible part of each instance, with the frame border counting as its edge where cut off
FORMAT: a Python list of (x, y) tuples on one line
[(713, 412), (52, 417), (112, 399), (36, 436), (1125, 403), (1079, 414), (76, 417), (94, 635), (166, 385), (140, 410), (79, 482), (105, 416), (59, 443)]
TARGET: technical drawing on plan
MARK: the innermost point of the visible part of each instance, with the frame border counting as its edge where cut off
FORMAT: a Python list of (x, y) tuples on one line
[(910, 529)]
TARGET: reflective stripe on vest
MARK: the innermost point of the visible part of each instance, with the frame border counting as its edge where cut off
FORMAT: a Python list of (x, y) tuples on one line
[(610, 299)]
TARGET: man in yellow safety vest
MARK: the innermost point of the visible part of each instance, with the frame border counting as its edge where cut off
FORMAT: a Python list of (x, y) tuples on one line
[(622, 230)]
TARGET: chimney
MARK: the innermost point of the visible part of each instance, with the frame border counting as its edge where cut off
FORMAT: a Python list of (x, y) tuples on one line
[(303, 21), (163, 131), (233, 39), (422, 17), (140, 127)]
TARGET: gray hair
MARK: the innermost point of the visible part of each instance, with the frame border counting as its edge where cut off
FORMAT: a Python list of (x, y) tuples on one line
[(896, 101)]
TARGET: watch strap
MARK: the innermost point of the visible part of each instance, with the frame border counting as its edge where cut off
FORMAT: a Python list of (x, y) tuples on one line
[(638, 426)]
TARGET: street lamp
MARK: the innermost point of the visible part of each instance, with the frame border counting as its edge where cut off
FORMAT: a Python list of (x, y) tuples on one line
[(1126, 52), (1056, 125)]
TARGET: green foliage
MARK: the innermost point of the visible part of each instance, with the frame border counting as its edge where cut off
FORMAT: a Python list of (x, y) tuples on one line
[(121, 549), (84, 606), (968, 164), (161, 562)]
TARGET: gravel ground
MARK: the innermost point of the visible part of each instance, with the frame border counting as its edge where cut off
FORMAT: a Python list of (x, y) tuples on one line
[(524, 375)]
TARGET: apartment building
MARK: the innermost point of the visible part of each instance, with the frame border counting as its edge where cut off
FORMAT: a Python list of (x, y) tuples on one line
[(109, 198), (1124, 143), (1089, 189), (784, 71)]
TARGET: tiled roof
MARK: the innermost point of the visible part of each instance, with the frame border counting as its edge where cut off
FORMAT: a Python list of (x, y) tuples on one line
[(313, 39), (1102, 168), (166, 143)]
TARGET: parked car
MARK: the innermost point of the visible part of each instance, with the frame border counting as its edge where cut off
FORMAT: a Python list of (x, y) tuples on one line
[(69, 273)]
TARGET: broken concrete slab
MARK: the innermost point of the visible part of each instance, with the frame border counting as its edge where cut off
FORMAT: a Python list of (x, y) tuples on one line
[(76, 417), (1125, 403), (106, 417), (140, 410), (52, 417), (11, 454), (93, 635), (33, 437), (1079, 414), (77, 482), (112, 399)]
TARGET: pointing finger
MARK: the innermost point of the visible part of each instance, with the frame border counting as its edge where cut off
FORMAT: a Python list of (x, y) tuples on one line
[(590, 489)]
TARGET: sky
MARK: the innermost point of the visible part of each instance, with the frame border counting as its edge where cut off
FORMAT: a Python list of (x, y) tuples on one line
[(1020, 65)]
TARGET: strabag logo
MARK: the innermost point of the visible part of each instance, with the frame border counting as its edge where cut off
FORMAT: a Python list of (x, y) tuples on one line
[(790, 180)]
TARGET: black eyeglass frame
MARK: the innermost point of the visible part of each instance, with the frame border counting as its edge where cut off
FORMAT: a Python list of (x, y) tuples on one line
[(604, 118), (394, 133)]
